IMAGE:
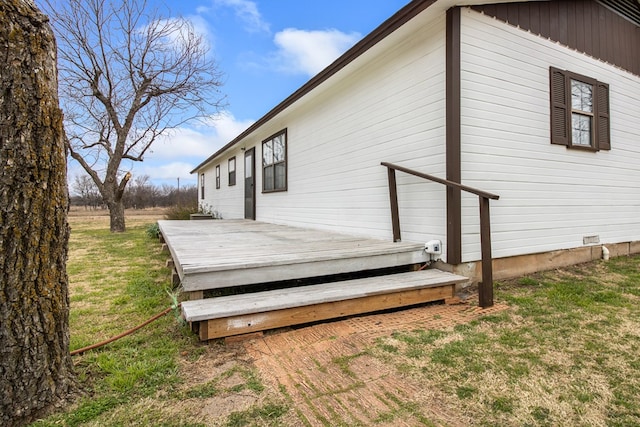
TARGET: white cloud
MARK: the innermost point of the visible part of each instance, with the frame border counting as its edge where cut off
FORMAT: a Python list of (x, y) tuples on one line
[(200, 142), (308, 52), (182, 142), (166, 172), (201, 28), (227, 127), (247, 11), (180, 31)]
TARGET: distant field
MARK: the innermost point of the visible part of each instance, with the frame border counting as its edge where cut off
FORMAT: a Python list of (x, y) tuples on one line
[(80, 211), (79, 216)]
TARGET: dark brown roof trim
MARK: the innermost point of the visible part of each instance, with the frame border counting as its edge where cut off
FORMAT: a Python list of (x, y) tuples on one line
[(401, 17)]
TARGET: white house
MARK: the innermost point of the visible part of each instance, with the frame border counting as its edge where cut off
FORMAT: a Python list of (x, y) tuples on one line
[(536, 101)]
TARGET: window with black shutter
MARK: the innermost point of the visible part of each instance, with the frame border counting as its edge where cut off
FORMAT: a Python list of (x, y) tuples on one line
[(579, 111)]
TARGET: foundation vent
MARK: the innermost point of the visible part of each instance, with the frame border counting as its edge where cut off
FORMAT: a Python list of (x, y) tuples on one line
[(590, 240)]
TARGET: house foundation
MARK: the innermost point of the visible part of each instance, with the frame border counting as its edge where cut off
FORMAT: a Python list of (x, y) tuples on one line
[(521, 265)]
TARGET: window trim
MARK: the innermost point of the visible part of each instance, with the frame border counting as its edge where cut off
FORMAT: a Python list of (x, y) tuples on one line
[(232, 173), (202, 186), (285, 162), (561, 111), (217, 177), (593, 142)]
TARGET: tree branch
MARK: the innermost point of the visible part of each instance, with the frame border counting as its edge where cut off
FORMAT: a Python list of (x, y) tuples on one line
[(123, 184)]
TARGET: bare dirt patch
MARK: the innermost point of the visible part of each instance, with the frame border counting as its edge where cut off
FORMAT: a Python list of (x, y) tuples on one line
[(331, 380), (213, 362), (220, 407)]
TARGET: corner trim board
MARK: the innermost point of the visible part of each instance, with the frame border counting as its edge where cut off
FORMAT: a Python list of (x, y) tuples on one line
[(454, 198)]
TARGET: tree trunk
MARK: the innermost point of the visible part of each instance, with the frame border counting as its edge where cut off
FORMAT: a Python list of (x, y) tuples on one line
[(112, 195), (116, 216), (36, 372)]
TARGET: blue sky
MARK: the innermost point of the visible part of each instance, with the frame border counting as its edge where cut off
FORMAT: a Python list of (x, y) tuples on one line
[(266, 49)]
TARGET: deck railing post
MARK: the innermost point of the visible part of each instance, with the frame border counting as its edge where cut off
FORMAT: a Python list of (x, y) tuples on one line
[(393, 196), (485, 289)]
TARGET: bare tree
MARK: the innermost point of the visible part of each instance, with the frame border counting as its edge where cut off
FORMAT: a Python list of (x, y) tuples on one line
[(141, 193), (86, 191), (36, 371), (127, 76)]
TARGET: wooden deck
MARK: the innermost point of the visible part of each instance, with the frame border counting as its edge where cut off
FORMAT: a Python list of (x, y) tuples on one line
[(213, 254)]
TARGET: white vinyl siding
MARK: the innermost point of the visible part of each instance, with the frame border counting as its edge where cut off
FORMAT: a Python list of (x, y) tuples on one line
[(550, 196), (226, 200), (387, 106)]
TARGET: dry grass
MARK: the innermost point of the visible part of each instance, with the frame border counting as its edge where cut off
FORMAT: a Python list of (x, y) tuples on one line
[(85, 219), (563, 353)]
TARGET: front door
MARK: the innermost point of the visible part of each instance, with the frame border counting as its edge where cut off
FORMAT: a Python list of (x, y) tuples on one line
[(249, 184)]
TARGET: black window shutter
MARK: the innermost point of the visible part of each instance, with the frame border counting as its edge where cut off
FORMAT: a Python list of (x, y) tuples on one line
[(560, 107), (602, 124)]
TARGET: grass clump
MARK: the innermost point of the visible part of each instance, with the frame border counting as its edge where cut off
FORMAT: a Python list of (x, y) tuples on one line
[(153, 231), (564, 353), (268, 414), (181, 212)]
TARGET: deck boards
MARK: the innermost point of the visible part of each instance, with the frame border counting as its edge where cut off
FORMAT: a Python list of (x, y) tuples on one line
[(221, 253)]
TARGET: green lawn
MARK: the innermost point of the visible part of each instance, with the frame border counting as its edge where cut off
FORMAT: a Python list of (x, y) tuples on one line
[(564, 353)]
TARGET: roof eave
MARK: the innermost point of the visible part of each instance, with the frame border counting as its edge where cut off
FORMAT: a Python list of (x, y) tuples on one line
[(401, 17)]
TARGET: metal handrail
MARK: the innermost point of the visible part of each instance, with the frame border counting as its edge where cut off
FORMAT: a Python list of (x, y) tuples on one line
[(485, 288)]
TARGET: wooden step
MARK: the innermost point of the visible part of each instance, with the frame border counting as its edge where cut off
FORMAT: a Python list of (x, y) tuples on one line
[(245, 313)]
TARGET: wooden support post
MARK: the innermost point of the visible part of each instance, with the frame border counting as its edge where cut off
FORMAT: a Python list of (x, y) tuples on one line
[(395, 212), (485, 290), (175, 278), (194, 295), (203, 330)]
